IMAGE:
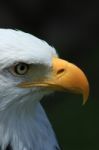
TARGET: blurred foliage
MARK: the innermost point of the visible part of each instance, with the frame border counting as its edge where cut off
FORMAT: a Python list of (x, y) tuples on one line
[(77, 126)]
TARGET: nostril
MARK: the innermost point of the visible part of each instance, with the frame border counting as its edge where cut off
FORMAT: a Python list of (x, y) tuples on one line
[(60, 71)]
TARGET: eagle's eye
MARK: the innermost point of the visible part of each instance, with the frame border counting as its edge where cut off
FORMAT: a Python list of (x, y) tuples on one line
[(21, 69)]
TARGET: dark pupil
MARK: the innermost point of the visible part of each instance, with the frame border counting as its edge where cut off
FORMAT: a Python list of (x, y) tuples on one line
[(22, 67)]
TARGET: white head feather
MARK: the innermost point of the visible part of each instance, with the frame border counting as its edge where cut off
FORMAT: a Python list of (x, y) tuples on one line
[(23, 122)]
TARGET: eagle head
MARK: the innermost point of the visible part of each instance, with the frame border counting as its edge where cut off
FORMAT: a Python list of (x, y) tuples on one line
[(29, 69)]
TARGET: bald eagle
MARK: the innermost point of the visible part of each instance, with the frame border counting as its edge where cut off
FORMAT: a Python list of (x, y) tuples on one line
[(30, 69)]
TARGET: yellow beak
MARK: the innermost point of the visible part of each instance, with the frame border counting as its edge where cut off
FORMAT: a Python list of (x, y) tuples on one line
[(64, 76)]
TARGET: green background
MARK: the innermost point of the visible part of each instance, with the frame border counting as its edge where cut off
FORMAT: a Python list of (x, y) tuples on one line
[(77, 126)]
